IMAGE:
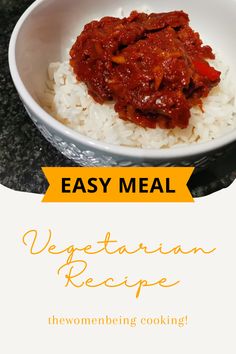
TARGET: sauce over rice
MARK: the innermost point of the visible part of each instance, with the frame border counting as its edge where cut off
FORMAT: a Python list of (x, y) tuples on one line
[(153, 66)]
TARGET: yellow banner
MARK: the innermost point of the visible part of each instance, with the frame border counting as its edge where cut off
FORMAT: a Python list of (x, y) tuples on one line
[(118, 184)]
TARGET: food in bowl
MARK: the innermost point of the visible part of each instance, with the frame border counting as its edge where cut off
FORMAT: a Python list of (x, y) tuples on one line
[(143, 81), (153, 66)]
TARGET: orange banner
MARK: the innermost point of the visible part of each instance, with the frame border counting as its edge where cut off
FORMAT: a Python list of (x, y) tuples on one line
[(118, 184)]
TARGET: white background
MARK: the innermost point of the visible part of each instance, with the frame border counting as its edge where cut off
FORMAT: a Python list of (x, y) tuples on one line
[(31, 291)]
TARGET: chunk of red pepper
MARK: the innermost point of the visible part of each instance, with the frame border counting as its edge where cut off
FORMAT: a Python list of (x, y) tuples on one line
[(205, 69)]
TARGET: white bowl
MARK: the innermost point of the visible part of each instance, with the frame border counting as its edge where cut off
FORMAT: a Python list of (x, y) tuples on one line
[(45, 31)]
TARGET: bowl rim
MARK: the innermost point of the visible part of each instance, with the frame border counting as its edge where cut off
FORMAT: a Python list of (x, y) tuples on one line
[(181, 152)]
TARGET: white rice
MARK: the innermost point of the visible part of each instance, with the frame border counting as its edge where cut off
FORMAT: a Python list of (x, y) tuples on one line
[(68, 101)]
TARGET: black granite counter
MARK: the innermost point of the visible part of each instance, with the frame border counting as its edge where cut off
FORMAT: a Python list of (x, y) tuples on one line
[(23, 150)]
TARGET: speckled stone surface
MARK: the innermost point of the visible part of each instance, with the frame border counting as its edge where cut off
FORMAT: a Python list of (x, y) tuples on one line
[(23, 150)]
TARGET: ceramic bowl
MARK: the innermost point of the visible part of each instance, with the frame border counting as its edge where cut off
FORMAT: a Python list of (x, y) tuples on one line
[(45, 31)]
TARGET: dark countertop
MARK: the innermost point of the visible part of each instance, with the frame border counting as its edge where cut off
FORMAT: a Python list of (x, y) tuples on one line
[(23, 150)]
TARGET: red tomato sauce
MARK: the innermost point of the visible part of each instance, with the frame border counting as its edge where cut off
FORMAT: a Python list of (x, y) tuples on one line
[(153, 66)]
